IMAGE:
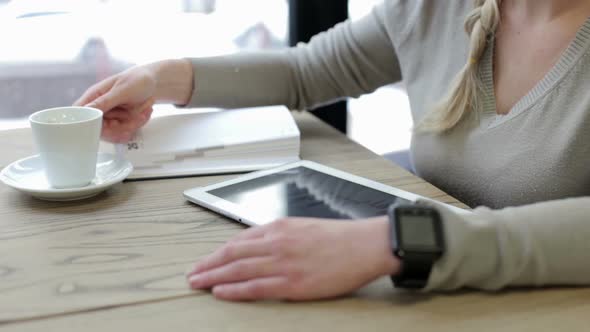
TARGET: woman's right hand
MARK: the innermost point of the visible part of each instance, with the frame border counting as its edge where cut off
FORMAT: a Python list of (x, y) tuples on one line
[(127, 98)]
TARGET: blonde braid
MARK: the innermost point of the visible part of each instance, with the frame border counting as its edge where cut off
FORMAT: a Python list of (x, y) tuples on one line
[(463, 96)]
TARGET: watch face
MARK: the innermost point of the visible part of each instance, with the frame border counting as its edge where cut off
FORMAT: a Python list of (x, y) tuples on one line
[(418, 231), (417, 240)]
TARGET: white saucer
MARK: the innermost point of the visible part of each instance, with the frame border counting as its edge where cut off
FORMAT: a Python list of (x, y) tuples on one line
[(27, 175)]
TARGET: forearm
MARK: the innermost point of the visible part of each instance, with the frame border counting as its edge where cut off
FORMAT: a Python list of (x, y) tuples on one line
[(536, 245), (349, 60), (174, 81), (241, 80)]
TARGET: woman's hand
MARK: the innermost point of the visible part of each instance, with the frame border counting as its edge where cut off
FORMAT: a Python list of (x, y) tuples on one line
[(298, 259), (127, 98)]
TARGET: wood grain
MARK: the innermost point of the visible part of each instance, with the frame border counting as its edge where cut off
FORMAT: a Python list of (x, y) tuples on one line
[(117, 261), (374, 308)]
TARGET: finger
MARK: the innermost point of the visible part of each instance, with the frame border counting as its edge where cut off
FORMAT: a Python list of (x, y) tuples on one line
[(126, 114), (128, 130), (115, 131), (112, 123), (129, 122), (145, 116), (144, 106), (107, 132), (241, 270), (232, 252), (108, 101), (148, 112), (270, 288), (254, 232), (91, 94), (119, 114), (121, 128), (111, 131), (95, 91)]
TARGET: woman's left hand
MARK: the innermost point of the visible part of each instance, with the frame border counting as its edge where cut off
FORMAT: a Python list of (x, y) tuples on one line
[(298, 259)]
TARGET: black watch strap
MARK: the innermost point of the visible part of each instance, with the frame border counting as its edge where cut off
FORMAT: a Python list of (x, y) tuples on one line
[(416, 260), (415, 269)]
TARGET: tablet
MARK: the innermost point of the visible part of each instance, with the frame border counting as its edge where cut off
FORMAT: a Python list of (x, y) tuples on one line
[(300, 189)]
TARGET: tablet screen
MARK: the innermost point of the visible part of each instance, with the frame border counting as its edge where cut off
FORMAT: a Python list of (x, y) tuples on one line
[(304, 192)]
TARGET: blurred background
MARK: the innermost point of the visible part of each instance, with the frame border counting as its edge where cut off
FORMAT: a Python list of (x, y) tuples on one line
[(52, 51)]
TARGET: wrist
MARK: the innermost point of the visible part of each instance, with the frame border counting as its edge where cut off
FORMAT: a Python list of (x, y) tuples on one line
[(386, 263), (174, 81)]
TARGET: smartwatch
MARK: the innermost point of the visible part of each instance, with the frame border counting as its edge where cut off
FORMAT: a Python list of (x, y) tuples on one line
[(417, 239)]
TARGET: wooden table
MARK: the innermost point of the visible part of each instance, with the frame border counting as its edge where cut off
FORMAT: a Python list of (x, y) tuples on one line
[(116, 263)]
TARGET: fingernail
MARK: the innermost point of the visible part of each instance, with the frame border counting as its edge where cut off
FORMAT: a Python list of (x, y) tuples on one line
[(192, 270), (189, 272), (219, 290), (195, 280)]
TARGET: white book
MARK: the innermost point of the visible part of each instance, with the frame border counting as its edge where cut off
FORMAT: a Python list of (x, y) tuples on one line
[(212, 143)]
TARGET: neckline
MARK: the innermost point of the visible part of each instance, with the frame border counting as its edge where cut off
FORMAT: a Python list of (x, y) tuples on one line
[(572, 54)]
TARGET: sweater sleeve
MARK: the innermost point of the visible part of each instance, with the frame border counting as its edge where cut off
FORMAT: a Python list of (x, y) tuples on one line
[(536, 245), (351, 59)]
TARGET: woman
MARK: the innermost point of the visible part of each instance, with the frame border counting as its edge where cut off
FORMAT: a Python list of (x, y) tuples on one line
[(510, 131)]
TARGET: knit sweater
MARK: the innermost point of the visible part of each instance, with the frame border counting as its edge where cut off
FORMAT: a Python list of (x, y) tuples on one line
[(525, 170)]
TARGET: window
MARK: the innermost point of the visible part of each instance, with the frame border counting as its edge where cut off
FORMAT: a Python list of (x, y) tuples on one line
[(52, 51), (380, 121)]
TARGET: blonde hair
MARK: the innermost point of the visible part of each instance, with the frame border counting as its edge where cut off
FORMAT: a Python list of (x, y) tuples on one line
[(462, 98)]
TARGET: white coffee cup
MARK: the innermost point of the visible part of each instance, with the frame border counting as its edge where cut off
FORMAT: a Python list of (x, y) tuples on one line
[(67, 139)]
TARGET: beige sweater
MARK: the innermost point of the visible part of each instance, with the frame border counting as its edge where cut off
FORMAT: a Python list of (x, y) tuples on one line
[(538, 153)]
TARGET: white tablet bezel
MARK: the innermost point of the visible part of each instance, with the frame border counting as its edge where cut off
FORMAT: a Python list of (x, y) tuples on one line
[(200, 195)]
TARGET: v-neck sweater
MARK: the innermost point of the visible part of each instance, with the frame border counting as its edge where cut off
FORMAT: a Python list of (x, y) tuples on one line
[(527, 170)]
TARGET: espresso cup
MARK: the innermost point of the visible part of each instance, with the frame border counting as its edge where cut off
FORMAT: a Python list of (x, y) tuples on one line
[(67, 139)]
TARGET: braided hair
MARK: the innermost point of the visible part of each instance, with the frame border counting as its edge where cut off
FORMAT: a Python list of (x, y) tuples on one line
[(462, 98)]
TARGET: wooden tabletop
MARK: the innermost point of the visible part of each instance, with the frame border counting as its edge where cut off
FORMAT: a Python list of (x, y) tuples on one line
[(116, 262)]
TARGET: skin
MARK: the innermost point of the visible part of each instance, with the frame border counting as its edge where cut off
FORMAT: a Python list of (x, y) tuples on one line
[(127, 98), (521, 61), (306, 259), (297, 259)]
